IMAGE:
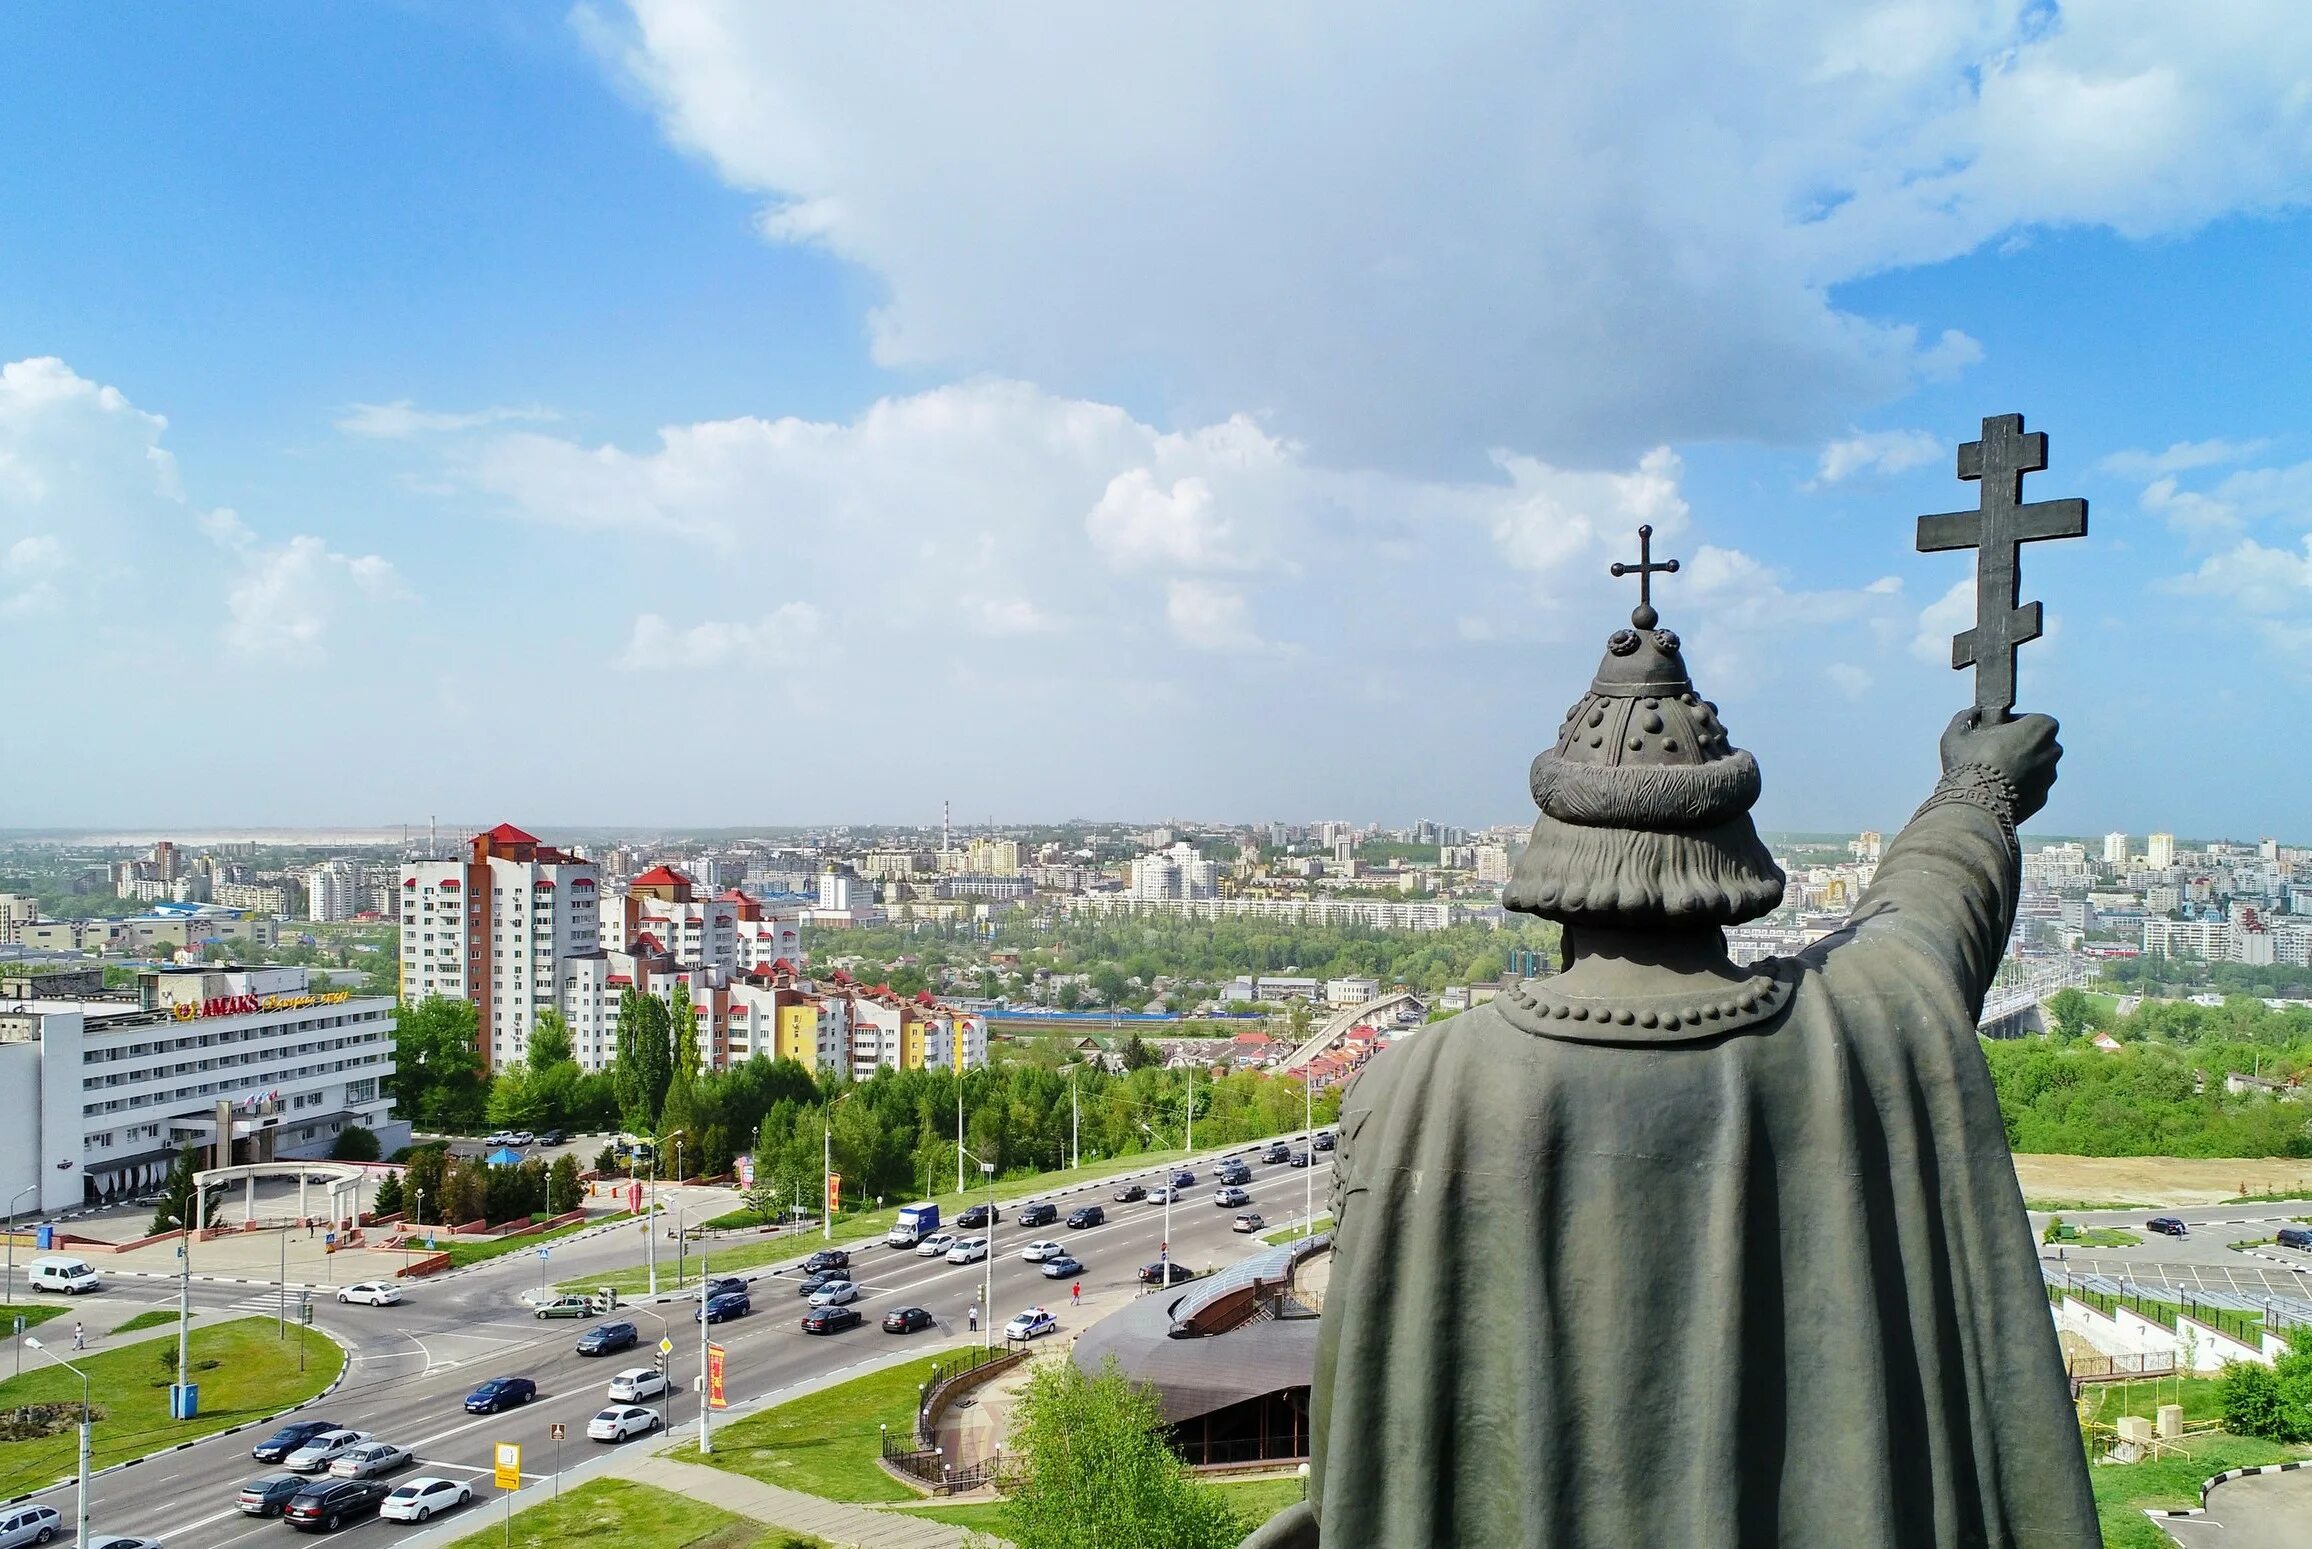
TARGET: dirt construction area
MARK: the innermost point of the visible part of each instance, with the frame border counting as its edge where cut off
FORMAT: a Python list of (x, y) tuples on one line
[(2159, 1180)]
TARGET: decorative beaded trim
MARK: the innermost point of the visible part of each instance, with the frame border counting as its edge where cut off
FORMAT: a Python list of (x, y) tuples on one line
[(1687, 1013), (1978, 785)]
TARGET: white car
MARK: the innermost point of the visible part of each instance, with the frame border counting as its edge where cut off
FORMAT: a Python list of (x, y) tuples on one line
[(29, 1525), (835, 1293), (623, 1420), (369, 1460), (316, 1455), (504, 1137), (1162, 1194), (967, 1250), (936, 1244), (1031, 1324), (638, 1383), (1041, 1249), (424, 1498), (372, 1293)]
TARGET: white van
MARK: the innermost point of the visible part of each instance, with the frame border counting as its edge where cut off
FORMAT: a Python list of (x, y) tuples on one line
[(70, 1276)]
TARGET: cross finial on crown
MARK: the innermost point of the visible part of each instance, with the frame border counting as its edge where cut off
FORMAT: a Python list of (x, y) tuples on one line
[(1647, 567)]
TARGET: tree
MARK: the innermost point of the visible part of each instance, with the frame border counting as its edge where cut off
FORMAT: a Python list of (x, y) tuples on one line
[(354, 1144), (2272, 1402), (562, 1191), (437, 1072), (2073, 1013), (550, 1042), (1138, 1054), (714, 1152), (1098, 1474), (176, 1204), (762, 1196), (389, 1194), (645, 1060), (682, 1028), (422, 1178)]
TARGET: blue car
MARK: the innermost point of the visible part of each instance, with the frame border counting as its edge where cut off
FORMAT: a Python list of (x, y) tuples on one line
[(731, 1304), (500, 1393)]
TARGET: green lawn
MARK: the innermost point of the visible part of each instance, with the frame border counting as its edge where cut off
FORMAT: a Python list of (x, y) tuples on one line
[(630, 1516), (1293, 1233), (464, 1253), (2123, 1490), (2052, 1205), (2096, 1237), (1256, 1500), (826, 1443), (33, 1313), (244, 1369), (151, 1317)]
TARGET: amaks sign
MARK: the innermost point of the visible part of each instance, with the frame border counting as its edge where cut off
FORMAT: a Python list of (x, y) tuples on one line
[(245, 1005)]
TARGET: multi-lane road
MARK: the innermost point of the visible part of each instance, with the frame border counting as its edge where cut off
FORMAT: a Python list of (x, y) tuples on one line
[(413, 1364)]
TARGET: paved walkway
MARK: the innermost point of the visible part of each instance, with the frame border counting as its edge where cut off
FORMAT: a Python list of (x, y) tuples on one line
[(853, 1527)]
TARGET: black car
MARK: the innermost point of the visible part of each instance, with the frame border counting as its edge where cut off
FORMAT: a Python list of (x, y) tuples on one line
[(718, 1309), (608, 1338), (1300, 1159), (500, 1393), (1086, 1215), (1277, 1151), (906, 1320), (826, 1259), (1041, 1213), (1154, 1274), (726, 1285), (289, 1438), (979, 1216), (1232, 1173), (549, 1137), (1130, 1192), (1324, 1140), (324, 1508), (817, 1278), (2167, 1226), (265, 1495), (831, 1320)]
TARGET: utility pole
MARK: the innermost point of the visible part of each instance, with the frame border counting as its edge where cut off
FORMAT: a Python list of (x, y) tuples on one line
[(177, 1403), (1309, 1139), (827, 1179), (650, 1222), (80, 1508), (705, 1438), (959, 1134), (1075, 1126)]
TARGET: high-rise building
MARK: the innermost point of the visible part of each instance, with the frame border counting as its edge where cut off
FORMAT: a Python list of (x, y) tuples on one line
[(2160, 851), (497, 929), (333, 891), (2115, 849)]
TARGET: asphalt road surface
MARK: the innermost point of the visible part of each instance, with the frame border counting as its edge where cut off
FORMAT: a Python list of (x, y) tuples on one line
[(412, 1365), (2262, 1511)]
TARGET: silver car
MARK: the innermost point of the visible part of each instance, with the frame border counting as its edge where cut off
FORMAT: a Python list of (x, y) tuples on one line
[(370, 1460), (316, 1455), (835, 1293)]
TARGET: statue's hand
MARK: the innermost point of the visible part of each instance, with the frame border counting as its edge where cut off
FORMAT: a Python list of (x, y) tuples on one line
[(2023, 749)]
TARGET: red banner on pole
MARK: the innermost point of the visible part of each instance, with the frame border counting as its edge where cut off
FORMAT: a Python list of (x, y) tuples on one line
[(714, 1378), (834, 1194)]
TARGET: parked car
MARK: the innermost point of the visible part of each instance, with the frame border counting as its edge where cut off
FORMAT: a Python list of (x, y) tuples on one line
[(1038, 1213), (2295, 1237), (1277, 1151), (831, 1320), (289, 1438), (935, 1245), (979, 1217), (906, 1320), (1154, 1274), (421, 1500), (1086, 1215), (28, 1525), (734, 1304), (503, 1137), (1130, 1192), (321, 1451), (609, 1339), (2167, 1226), (499, 1394), (727, 1285), (1324, 1140), (1031, 1324), (1062, 1268), (1300, 1159), (550, 1137), (1183, 1178), (967, 1250), (325, 1508), (1247, 1221), (523, 1137), (1230, 1197), (637, 1383), (372, 1293), (565, 1307), (826, 1259), (265, 1495), (370, 1460), (835, 1293), (620, 1421), (813, 1281), (1041, 1249)]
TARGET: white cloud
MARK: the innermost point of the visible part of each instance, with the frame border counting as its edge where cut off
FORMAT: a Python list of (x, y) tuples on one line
[(1206, 617), (1948, 615), (26, 567), (1554, 517), (401, 420), (2248, 496), (286, 598), (1848, 679), (1406, 236), (1876, 451), (2180, 457), (1139, 524), (782, 638)]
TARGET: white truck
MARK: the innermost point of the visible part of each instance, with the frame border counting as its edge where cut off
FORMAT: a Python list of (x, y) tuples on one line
[(915, 1223)]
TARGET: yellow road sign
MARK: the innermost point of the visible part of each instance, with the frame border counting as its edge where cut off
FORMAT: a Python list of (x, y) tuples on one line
[(509, 1460)]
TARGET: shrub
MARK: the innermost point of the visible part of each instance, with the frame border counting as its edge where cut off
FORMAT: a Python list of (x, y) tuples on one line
[(2272, 1402), (355, 1144)]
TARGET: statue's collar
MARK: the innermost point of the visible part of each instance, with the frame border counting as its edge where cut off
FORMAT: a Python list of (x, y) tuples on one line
[(1686, 1014)]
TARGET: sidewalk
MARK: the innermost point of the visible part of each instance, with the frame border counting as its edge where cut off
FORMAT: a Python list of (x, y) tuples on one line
[(856, 1527)]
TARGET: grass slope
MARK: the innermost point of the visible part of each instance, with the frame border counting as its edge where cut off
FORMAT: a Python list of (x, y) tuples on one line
[(244, 1370), (826, 1443), (1256, 1499), (2123, 1490), (630, 1516)]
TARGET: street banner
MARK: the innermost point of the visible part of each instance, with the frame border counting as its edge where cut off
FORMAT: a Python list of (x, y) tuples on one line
[(714, 1378)]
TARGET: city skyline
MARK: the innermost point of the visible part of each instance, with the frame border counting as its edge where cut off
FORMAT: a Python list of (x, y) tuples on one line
[(648, 379)]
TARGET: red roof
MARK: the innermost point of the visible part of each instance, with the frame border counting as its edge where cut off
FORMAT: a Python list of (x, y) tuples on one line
[(923, 997), (409, 882), (507, 833), (618, 979), (661, 876), (1252, 1038)]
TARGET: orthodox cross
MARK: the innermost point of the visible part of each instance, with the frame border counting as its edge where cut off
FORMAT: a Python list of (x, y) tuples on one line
[(1997, 532), (1645, 570)]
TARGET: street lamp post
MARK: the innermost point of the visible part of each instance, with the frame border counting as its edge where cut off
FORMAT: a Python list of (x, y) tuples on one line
[(987, 1294), (1164, 1251), (1309, 1139), (80, 1508), (705, 1438), (30, 1188), (650, 1223)]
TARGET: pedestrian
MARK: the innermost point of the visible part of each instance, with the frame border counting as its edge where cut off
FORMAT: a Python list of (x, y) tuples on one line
[(1076, 1294), (79, 1337), (975, 1317)]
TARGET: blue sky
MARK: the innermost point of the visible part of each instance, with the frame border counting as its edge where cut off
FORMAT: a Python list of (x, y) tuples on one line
[(725, 413)]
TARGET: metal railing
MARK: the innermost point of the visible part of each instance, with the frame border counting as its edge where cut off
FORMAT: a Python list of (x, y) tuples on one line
[(930, 1465), (944, 1376)]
